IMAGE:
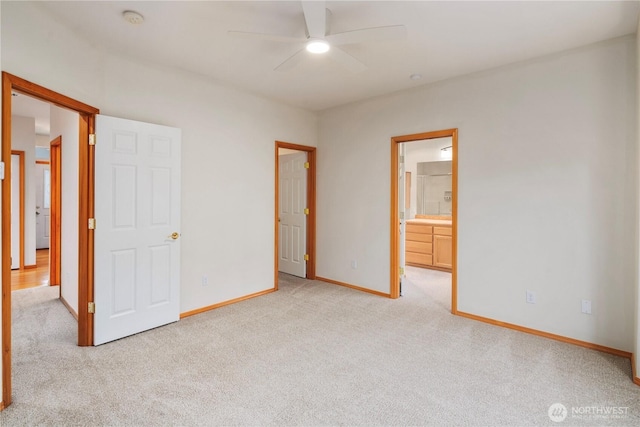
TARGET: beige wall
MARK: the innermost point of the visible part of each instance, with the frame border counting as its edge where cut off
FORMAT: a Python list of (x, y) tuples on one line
[(547, 189)]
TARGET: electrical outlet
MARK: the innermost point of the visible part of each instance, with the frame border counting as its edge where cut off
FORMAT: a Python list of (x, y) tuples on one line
[(586, 306), (205, 281), (531, 297), (354, 264)]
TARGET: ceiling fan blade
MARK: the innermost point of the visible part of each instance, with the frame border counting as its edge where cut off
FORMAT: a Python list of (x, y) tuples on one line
[(346, 60), (315, 16), (291, 61), (365, 35), (270, 37)]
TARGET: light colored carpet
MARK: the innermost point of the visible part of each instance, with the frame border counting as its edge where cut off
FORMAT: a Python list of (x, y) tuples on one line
[(310, 354)]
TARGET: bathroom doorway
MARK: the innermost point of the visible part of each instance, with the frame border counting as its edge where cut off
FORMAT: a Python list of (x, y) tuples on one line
[(424, 210)]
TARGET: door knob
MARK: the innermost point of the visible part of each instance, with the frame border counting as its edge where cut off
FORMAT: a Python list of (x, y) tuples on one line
[(174, 235)]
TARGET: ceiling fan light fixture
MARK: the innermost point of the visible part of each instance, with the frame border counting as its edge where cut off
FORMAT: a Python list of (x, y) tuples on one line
[(317, 46)]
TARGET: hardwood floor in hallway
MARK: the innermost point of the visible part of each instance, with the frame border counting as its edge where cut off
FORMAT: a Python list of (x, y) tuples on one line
[(32, 277)]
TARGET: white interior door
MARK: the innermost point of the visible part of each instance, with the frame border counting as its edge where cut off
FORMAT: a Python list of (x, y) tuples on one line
[(15, 211), (137, 209), (43, 205), (292, 240)]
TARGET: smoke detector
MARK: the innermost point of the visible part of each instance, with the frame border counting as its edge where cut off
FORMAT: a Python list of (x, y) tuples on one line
[(132, 17)]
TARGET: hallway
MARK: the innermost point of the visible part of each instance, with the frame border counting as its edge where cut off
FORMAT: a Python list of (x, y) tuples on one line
[(32, 277)]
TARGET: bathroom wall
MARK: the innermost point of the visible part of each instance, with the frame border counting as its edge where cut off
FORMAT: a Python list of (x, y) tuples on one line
[(421, 151)]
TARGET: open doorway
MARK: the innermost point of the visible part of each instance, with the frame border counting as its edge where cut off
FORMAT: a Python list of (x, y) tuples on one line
[(30, 191), (295, 210), (424, 210), (83, 167), (37, 129)]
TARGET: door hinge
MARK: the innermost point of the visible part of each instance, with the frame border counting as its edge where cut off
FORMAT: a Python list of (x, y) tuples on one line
[(306, 257), (401, 271), (92, 223), (92, 308), (401, 159), (306, 211), (306, 165), (92, 139), (401, 214)]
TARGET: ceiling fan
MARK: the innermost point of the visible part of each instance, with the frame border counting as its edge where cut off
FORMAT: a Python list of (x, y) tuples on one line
[(319, 41)]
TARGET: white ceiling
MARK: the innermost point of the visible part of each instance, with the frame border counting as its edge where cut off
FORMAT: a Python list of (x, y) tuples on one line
[(445, 39)]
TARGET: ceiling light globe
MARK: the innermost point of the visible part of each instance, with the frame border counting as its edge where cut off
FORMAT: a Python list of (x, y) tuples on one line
[(317, 46), (132, 17)]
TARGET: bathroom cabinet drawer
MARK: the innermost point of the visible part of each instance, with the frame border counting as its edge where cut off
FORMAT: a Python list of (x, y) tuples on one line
[(419, 228), (420, 247), (442, 231), (416, 258)]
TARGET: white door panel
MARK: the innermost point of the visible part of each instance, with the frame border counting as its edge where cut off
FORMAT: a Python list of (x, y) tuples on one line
[(137, 262), (292, 176), (43, 193)]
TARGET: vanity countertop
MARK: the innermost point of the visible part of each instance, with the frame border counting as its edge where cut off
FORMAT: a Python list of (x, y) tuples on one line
[(445, 222)]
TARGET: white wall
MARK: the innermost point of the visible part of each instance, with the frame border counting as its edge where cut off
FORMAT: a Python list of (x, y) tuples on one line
[(23, 138), (228, 141), (65, 123), (547, 190)]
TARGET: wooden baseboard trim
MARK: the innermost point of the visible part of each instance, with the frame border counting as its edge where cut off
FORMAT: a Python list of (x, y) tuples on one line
[(357, 288), (1, 406), (29, 267), (634, 373), (222, 304), (561, 338), (71, 310)]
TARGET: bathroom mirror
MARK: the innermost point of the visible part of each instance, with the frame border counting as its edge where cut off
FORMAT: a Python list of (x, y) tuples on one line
[(434, 188)]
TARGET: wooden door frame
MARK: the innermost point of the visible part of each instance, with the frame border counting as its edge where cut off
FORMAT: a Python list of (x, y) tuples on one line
[(395, 218), (55, 219), (21, 155), (311, 204), (86, 175)]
